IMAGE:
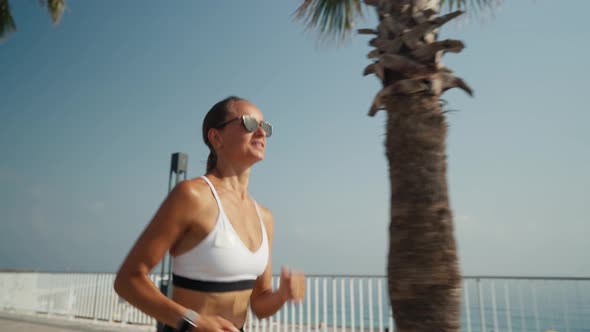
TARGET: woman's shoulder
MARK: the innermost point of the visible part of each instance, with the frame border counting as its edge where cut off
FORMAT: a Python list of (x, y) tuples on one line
[(266, 214), (264, 210), (192, 191), (197, 184)]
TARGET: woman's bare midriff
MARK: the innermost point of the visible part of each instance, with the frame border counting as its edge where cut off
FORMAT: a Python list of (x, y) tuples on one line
[(232, 306)]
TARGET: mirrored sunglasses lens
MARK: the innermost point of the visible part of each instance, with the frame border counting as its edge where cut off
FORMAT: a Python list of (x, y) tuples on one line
[(250, 123), (267, 128)]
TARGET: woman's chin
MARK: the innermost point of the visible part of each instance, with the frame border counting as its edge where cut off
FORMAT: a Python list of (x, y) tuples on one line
[(259, 157)]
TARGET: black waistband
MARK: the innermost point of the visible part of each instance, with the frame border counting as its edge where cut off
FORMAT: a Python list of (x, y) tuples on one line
[(168, 328), (211, 286)]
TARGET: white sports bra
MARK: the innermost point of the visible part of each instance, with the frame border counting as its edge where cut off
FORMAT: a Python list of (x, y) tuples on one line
[(221, 262)]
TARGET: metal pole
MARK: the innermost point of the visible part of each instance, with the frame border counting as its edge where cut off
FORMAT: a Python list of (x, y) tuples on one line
[(178, 166), (163, 283)]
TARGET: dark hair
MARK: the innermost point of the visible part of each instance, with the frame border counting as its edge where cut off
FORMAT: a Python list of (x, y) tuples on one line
[(213, 118)]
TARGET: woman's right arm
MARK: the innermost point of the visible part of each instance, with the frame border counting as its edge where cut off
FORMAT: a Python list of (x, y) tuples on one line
[(179, 211), (132, 283)]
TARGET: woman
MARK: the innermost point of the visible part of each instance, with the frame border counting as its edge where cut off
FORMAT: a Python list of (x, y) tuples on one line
[(218, 236)]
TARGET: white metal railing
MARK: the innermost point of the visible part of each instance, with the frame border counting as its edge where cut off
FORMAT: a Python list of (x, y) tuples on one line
[(332, 303)]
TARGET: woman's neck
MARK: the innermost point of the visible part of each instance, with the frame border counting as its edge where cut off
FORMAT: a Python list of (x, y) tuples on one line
[(232, 180)]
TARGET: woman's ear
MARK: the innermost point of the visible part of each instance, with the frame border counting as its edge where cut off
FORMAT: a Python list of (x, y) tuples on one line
[(214, 138)]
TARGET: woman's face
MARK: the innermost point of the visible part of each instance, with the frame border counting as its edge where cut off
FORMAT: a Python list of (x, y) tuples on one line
[(235, 142)]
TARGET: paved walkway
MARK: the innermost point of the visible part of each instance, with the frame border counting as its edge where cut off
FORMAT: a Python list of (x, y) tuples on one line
[(41, 323)]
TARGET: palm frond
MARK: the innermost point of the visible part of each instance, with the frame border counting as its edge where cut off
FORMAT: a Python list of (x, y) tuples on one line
[(471, 5), (7, 24), (332, 18), (56, 9)]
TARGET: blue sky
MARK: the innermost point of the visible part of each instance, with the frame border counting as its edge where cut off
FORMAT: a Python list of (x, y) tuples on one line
[(93, 108)]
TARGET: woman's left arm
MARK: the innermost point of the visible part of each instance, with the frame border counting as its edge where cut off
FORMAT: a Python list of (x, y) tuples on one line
[(264, 301)]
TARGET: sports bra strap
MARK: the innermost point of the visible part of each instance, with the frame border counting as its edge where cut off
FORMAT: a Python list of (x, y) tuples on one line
[(258, 212), (217, 199)]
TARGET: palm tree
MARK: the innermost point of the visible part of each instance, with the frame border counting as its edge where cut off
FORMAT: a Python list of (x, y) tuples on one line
[(7, 25), (424, 279)]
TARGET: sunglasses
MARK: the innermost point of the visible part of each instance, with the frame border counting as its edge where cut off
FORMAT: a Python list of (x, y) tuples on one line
[(250, 124)]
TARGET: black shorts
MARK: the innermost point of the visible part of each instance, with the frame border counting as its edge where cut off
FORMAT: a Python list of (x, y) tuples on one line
[(168, 328)]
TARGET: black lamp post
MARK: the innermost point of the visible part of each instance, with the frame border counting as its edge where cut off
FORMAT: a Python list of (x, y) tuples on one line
[(178, 167)]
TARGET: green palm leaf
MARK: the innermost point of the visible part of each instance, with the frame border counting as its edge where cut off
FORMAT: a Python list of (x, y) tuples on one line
[(470, 4), (333, 18), (56, 9), (7, 24), (336, 18)]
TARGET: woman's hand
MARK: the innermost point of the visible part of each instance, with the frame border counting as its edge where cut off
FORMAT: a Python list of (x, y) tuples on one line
[(206, 323), (292, 285)]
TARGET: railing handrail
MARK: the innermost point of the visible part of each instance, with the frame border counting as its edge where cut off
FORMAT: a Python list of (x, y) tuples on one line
[(349, 302), (529, 278), (319, 275)]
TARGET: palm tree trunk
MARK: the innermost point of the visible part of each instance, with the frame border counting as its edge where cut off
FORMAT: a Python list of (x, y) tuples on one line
[(423, 271)]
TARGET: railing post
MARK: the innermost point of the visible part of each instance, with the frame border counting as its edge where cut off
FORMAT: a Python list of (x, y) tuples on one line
[(334, 305), (343, 303), (494, 311), (565, 310), (467, 309), (391, 327), (522, 320), (125, 315), (112, 298), (482, 317), (293, 320), (352, 323), (250, 318), (380, 300), (71, 300), (370, 304), (301, 315), (263, 324), (308, 325), (256, 324), (276, 285), (536, 310), (317, 303), (361, 307), (48, 297), (86, 294), (293, 316), (325, 304), (507, 299), (96, 284)]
